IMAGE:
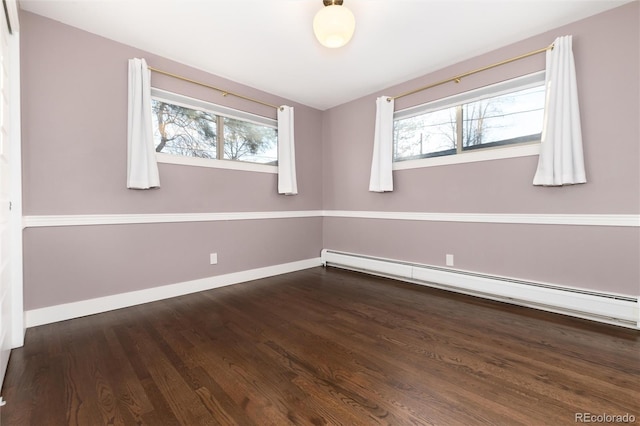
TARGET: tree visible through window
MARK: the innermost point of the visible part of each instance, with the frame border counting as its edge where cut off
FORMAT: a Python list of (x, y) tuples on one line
[(509, 118), (196, 132), (500, 120), (249, 142), (431, 134), (183, 131)]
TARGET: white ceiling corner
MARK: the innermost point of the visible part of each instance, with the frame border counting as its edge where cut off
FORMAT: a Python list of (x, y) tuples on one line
[(269, 45)]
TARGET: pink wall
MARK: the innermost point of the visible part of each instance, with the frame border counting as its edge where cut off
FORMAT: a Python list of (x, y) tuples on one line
[(74, 100), (607, 54), (67, 264), (588, 257), (74, 158)]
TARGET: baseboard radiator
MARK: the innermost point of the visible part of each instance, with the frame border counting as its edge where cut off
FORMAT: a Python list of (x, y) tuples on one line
[(597, 306)]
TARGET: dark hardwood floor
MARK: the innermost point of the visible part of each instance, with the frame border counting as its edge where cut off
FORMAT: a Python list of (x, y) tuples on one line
[(322, 346)]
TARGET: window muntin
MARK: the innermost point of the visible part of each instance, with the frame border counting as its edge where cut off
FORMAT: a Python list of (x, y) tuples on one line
[(506, 113), (193, 128)]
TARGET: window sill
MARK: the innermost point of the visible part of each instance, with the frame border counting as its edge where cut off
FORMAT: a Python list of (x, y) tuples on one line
[(471, 157), (216, 164)]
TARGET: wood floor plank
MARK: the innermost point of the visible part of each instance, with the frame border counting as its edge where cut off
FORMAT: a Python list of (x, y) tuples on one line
[(219, 402), (237, 362), (322, 347), (177, 393), (130, 394), (334, 335), (319, 362), (160, 412), (314, 361)]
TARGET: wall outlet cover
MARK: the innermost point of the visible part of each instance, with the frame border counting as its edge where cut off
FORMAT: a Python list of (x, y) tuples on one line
[(449, 260)]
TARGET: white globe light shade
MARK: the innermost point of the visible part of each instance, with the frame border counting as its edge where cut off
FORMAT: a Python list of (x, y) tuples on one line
[(334, 25)]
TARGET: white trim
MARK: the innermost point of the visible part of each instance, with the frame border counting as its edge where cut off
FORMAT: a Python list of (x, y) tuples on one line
[(610, 308), (515, 151), (123, 219), (215, 163), (17, 318), (624, 220), (50, 314)]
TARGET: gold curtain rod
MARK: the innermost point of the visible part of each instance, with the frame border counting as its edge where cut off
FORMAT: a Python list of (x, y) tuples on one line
[(468, 73), (224, 92)]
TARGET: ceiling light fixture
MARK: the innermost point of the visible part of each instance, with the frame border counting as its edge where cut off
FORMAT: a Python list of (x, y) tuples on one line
[(334, 24)]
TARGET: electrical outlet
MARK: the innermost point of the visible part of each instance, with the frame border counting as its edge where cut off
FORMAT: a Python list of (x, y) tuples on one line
[(449, 259), (213, 258)]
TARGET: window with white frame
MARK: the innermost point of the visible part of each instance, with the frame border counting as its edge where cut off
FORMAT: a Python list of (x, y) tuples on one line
[(201, 131), (501, 115)]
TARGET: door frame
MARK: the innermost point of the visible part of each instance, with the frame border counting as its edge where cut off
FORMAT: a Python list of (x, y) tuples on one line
[(18, 329), (17, 304)]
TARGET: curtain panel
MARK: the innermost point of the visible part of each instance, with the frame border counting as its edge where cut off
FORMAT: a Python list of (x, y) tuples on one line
[(287, 181), (561, 159), (381, 179), (142, 168)]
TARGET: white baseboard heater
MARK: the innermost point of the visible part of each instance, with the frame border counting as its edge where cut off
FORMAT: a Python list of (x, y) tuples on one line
[(597, 306)]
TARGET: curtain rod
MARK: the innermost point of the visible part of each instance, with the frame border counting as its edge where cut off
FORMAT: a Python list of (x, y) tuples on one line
[(224, 92), (468, 73)]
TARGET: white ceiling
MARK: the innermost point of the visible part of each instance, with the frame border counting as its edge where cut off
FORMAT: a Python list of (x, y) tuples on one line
[(269, 44)]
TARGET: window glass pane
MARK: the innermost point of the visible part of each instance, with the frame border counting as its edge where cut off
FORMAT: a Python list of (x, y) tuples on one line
[(183, 131), (426, 135), (252, 142), (508, 112), (512, 118)]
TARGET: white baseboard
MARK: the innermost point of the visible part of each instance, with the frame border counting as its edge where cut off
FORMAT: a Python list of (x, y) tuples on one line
[(51, 314), (617, 309), (614, 309)]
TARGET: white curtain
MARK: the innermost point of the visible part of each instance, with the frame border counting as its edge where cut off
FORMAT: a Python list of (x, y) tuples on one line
[(382, 162), (561, 159), (287, 182), (142, 168)]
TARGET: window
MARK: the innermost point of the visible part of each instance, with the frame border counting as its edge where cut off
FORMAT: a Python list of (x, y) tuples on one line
[(202, 132), (500, 115)]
